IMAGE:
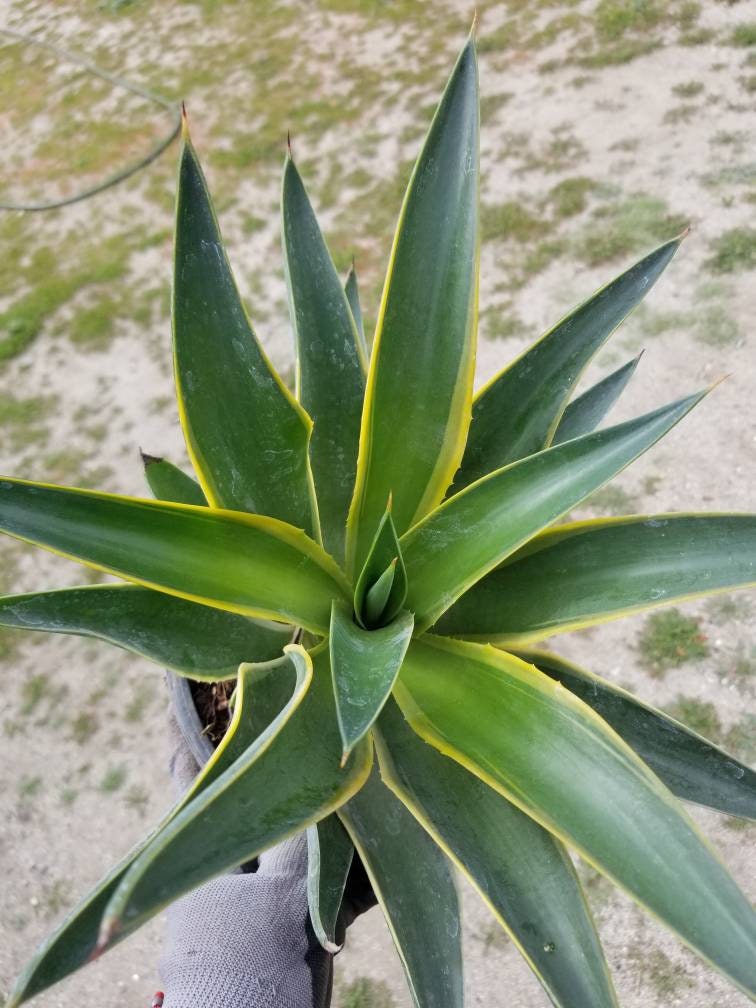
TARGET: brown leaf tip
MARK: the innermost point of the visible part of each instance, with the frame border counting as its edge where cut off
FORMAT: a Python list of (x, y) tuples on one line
[(148, 460)]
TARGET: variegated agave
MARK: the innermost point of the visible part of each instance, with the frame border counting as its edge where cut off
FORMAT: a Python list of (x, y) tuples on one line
[(409, 560)]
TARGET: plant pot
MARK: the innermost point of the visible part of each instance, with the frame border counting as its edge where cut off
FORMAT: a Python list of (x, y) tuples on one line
[(189, 722)]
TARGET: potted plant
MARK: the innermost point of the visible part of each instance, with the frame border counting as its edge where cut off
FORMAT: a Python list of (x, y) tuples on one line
[(374, 560)]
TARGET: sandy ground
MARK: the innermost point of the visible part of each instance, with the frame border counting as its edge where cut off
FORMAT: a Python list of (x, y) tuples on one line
[(83, 772)]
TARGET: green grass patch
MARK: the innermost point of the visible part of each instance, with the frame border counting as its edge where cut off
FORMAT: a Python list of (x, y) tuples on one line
[(654, 967), (94, 327), (744, 34), (612, 500), (51, 286), (509, 221), (615, 18), (734, 251), (113, 779), (728, 608), (570, 196), (715, 327), (698, 715), (627, 228), (366, 993), (669, 639), (688, 89)]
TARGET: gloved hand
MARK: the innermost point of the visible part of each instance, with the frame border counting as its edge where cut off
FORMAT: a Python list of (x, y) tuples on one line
[(245, 940)]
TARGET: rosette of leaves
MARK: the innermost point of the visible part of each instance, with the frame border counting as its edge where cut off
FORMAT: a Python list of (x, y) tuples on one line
[(375, 558)]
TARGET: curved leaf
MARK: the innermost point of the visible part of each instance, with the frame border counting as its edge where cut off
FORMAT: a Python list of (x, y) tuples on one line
[(588, 572), (329, 858), (243, 563), (169, 483), (246, 435), (517, 412), (471, 533), (74, 943), (190, 639), (384, 551), (586, 412), (290, 776), (330, 365), (415, 888), (417, 403), (692, 767), (523, 873), (352, 291), (364, 665), (549, 753)]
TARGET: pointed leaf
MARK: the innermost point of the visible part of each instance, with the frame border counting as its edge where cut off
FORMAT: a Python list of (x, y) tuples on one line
[(416, 891), (521, 871), (364, 665), (474, 531), (243, 563), (417, 403), (190, 639), (384, 551), (289, 778), (550, 754), (377, 598), (329, 858), (246, 435), (169, 483), (586, 412), (330, 366), (587, 572), (517, 413), (352, 291), (74, 943), (692, 767)]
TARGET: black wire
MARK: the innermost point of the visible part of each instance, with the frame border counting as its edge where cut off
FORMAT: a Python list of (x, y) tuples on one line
[(116, 81)]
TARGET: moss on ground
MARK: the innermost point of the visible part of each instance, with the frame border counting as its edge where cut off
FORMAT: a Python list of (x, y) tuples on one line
[(669, 639), (733, 251)]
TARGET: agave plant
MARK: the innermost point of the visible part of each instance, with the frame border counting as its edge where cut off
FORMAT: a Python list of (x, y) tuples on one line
[(375, 559)]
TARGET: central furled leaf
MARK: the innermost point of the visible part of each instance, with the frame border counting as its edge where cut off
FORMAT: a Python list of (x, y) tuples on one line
[(382, 585), (417, 404)]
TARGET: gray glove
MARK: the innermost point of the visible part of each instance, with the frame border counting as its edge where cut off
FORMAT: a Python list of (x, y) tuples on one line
[(244, 940)]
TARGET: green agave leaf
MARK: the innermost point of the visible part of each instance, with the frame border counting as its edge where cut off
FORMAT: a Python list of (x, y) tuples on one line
[(417, 403), (248, 564), (588, 572), (692, 767), (329, 858), (415, 888), (517, 413), (190, 639), (352, 291), (385, 553), (586, 412), (290, 776), (523, 873), (330, 361), (169, 483), (364, 665), (247, 436), (471, 533), (377, 597), (74, 943), (550, 754)]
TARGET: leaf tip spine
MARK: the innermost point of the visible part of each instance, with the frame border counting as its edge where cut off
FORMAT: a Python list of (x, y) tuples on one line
[(148, 460), (184, 124)]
